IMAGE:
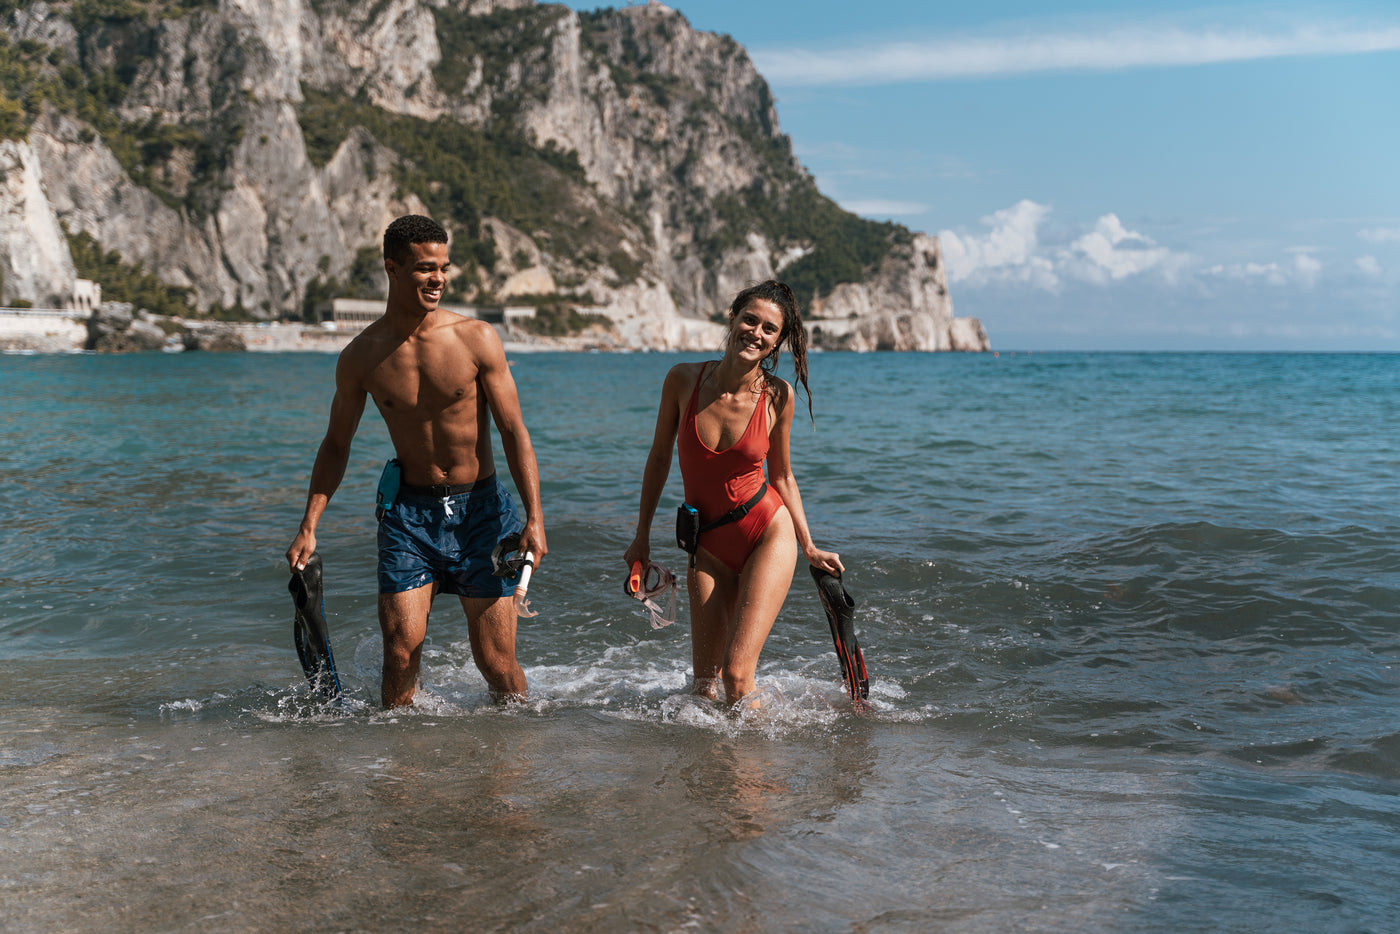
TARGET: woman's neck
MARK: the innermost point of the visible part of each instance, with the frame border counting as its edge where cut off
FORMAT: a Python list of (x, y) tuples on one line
[(733, 376)]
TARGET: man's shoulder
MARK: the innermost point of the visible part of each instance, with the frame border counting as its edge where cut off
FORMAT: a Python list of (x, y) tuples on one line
[(375, 334), (472, 327), (475, 335)]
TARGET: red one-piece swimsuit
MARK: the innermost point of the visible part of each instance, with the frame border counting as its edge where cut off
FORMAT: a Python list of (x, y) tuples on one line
[(718, 481)]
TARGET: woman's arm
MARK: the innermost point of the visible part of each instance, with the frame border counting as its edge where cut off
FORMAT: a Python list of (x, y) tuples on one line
[(781, 479), (658, 465)]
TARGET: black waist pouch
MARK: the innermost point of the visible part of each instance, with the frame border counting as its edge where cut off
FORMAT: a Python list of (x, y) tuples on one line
[(687, 529)]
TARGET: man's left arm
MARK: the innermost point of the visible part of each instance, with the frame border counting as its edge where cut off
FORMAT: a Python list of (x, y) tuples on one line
[(504, 402)]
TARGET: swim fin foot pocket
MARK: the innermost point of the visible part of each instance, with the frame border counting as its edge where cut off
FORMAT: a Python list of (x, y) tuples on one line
[(840, 610), (310, 633)]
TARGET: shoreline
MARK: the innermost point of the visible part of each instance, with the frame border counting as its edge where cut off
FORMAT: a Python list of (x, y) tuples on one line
[(118, 328)]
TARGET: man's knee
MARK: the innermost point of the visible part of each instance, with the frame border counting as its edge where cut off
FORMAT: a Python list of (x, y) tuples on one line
[(400, 656)]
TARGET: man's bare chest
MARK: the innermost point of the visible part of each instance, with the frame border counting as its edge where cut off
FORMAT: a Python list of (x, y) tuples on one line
[(422, 388)]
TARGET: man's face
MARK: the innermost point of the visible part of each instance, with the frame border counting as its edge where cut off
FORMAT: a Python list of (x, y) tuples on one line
[(420, 279)]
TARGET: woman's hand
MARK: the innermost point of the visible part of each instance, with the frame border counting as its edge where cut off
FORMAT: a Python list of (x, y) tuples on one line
[(828, 561), (638, 551)]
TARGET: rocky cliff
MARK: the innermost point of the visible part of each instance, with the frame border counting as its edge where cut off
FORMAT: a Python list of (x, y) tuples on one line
[(250, 153)]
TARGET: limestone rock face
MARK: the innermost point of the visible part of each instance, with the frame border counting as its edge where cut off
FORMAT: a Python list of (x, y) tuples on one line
[(664, 165), (904, 306), (34, 258), (214, 339), (116, 327)]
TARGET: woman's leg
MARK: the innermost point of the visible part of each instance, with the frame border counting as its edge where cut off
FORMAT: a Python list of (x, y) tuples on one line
[(762, 588), (712, 589)]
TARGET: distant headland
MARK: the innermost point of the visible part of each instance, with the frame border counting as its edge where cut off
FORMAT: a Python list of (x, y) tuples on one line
[(616, 170)]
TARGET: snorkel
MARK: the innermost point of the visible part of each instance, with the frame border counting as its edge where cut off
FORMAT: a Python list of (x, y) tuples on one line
[(508, 561)]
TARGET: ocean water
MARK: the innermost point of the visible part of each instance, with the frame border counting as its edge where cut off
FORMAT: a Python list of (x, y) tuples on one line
[(1131, 622)]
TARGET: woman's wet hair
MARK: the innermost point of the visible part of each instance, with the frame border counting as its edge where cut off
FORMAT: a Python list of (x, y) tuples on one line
[(793, 332), (405, 231)]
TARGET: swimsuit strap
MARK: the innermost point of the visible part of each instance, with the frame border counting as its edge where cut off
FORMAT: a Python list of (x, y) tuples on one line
[(761, 404), (692, 412), (693, 409)]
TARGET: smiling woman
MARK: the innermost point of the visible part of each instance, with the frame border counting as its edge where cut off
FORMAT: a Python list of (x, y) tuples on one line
[(742, 531)]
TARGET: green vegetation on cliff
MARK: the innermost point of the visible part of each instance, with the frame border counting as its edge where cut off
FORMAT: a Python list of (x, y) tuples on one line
[(464, 174), (693, 103), (124, 282), (556, 319), (783, 204), (180, 163), (362, 281), (842, 247), (496, 42)]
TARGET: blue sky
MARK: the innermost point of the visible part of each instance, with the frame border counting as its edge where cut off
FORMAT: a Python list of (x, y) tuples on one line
[(1111, 176)]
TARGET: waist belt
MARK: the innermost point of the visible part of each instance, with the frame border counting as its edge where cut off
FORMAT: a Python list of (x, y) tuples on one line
[(444, 490), (738, 512)]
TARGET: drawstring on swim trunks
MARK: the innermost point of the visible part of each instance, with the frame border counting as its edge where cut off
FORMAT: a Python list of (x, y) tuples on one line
[(656, 582)]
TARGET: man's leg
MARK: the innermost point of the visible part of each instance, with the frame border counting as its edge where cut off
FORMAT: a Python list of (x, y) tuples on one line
[(403, 618), (491, 624)]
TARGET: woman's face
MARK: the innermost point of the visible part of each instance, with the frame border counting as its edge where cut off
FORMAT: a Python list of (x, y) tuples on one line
[(756, 330)]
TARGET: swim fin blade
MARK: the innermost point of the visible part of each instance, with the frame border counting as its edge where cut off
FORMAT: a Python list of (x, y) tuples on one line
[(840, 610), (310, 633)]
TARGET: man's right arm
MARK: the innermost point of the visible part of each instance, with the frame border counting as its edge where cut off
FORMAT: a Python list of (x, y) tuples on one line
[(331, 458), (504, 401)]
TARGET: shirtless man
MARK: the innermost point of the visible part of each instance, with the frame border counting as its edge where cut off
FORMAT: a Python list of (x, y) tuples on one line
[(434, 376)]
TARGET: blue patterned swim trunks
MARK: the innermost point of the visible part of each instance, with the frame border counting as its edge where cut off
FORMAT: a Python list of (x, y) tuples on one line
[(425, 538)]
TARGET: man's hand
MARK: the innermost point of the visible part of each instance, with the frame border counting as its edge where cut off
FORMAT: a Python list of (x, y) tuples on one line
[(532, 540), (303, 546)]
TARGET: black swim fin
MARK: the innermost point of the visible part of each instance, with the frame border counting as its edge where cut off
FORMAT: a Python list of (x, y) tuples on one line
[(309, 630), (840, 616)]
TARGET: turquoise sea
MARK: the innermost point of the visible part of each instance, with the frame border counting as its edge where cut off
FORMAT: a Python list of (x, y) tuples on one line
[(1132, 623)]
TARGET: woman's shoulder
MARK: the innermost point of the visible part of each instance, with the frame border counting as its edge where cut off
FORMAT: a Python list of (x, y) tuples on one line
[(686, 372), (680, 379), (780, 388)]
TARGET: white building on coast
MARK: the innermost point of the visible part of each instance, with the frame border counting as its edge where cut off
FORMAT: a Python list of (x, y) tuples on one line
[(51, 330)]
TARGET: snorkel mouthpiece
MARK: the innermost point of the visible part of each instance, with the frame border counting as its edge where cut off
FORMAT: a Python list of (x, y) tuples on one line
[(507, 560)]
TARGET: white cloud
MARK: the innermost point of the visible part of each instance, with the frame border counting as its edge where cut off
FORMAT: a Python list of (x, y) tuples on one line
[(1008, 252), (1272, 273), (1113, 49), (1111, 251), (1303, 270), (878, 207), (1307, 268), (1011, 251), (1381, 235)]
